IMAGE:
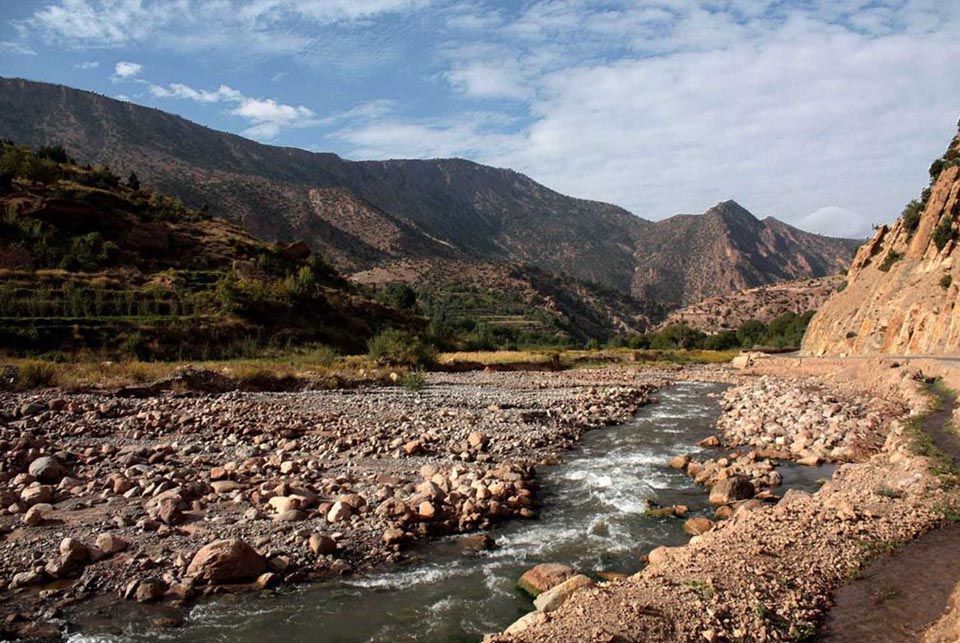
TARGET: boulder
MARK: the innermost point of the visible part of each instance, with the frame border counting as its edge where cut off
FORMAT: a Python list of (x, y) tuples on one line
[(697, 526), (556, 596), (47, 470), (539, 579), (111, 544), (224, 561), (731, 490), (322, 545)]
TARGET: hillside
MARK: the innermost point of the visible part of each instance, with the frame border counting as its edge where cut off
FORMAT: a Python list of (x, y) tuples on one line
[(764, 304), (903, 286), (88, 262), (368, 214)]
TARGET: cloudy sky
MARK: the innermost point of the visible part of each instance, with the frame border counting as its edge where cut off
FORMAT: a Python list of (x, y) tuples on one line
[(824, 113)]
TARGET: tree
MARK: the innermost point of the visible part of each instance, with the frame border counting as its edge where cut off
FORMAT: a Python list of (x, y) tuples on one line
[(751, 333), (133, 182)]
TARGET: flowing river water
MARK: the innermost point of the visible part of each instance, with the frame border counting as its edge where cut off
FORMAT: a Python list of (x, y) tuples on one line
[(593, 518)]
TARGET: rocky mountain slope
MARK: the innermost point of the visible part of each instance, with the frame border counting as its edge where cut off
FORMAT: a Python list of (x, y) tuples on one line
[(370, 213), (764, 303), (904, 284), (91, 262)]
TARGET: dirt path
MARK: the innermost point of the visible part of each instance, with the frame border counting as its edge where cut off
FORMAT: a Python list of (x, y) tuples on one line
[(898, 596)]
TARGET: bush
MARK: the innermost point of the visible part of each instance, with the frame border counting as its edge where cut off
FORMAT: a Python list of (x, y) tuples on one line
[(55, 153), (888, 261), (400, 348), (944, 233), (946, 281), (413, 381), (32, 375), (751, 333), (911, 216), (399, 296), (42, 170)]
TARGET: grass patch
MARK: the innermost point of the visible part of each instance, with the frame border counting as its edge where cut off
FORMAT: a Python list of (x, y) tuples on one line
[(923, 444), (413, 381), (569, 358)]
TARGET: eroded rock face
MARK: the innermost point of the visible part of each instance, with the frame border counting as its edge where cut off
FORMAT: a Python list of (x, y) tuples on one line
[(902, 288)]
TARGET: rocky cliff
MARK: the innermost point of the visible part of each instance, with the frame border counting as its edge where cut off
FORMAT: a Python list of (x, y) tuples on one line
[(902, 288)]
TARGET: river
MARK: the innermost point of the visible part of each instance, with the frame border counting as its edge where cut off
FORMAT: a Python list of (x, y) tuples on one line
[(593, 518)]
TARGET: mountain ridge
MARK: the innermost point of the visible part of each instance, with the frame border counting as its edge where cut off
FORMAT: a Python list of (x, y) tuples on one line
[(366, 213)]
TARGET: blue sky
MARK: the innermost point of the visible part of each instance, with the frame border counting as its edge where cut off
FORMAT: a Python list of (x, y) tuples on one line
[(824, 113)]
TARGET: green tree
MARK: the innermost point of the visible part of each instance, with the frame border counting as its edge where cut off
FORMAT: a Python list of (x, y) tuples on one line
[(751, 333), (133, 182)]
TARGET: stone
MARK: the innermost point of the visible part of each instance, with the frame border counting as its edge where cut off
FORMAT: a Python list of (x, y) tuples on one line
[(47, 470), (679, 462), (558, 595), (524, 623), (413, 447), (268, 580), (393, 536), (426, 510), (221, 487), (74, 551), (36, 494), (283, 504), (170, 510), (477, 441), (150, 590), (542, 577), (111, 544), (697, 526), (322, 545), (338, 512), (33, 517), (226, 560), (731, 490)]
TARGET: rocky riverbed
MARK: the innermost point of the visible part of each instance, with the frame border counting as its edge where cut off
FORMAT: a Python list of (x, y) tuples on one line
[(768, 569), (166, 498)]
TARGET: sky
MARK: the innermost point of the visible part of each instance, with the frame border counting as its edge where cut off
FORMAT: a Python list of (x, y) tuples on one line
[(823, 113)]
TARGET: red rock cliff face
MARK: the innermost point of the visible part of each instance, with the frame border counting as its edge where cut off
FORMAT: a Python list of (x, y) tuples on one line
[(902, 289)]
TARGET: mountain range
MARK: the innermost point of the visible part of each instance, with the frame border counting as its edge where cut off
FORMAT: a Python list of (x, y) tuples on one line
[(366, 215)]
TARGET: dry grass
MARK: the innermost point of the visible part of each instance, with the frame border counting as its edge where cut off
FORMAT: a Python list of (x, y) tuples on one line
[(573, 357), (317, 368)]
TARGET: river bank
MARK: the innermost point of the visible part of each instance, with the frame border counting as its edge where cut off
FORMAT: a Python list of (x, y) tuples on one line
[(770, 572)]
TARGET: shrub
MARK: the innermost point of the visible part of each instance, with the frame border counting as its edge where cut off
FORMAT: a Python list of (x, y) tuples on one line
[(399, 296), (133, 182), (944, 233), (888, 261), (946, 281), (33, 375), (55, 153), (911, 216), (42, 170), (751, 333), (400, 348), (413, 381)]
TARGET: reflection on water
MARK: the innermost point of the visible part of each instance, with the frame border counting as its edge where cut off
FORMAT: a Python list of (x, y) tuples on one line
[(593, 518)]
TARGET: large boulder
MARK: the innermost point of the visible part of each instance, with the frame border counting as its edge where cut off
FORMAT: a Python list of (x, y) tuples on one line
[(543, 577), (225, 561), (47, 470), (731, 490)]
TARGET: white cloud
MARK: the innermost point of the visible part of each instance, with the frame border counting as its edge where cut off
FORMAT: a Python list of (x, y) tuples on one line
[(179, 90), (266, 116), (834, 221), (824, 117), (88, 64), (126, 70), (11, 47), (263, 26)]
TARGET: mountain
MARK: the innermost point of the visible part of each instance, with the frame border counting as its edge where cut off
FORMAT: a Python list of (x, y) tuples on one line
[(88, 262), (903, 287), (364, 214), (764, 304)]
